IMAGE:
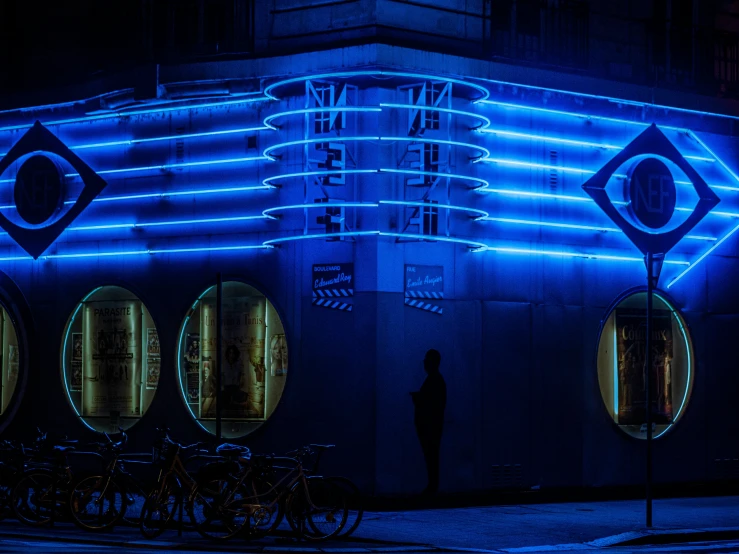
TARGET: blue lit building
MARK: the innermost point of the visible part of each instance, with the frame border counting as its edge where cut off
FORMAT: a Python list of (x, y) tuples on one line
[(408, 176)]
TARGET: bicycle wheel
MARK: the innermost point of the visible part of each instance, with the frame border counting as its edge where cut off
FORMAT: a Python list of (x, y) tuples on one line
[(96, 503), (33, 498), (157, 511), (217, 510), (321, 513), (354, 502), (265, 507)]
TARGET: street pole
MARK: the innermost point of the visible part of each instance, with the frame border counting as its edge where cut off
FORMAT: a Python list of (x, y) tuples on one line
[(647, 386), (219, 357)]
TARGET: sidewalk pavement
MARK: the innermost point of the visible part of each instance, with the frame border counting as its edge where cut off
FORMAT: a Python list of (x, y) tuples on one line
[(510, 528)]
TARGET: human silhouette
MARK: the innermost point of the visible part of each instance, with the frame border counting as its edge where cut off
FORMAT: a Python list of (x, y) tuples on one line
[(430, 403)]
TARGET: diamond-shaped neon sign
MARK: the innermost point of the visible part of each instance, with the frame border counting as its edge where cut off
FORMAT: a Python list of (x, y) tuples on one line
[(651, 141), (35, 240)]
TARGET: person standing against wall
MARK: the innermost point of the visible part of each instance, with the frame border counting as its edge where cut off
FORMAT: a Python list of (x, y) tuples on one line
[(430, 403)]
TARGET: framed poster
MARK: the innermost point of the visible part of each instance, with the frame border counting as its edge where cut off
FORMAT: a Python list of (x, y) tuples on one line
[(112, 358), (153, 368), (75, 378), (631, 330), (152, 342)]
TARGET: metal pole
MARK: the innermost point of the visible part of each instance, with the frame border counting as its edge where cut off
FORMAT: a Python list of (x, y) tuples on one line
[(219, 357), (647, 385)]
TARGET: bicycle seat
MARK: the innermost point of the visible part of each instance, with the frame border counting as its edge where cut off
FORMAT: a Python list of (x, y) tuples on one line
[(227, 450), (322, 446)]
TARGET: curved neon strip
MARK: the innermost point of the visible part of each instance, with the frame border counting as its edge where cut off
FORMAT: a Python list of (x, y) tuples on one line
[(556, 254), (481, 214), (120, 114), (64, 355), (270, 118), (267, 181), (484, 151), (484, 121), (688, 349), (473, 245), (272, 242), (703, 256), (575, 226), (268, 90), (164, 167), (483, 182), (179, 349), (324, 205), (163, 223), (615, 372)]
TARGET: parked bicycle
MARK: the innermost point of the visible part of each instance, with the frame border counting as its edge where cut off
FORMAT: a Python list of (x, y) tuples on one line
[(99, 502), (255, 500), (39, 496), (355, 503), (175, 489)]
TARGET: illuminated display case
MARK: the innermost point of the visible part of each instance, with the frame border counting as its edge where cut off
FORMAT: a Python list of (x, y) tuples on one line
[(254, 365), (10, 359), (110, 359), (621, 365)]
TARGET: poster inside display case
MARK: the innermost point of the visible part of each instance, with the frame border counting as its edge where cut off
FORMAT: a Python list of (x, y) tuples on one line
[(110, 359), (254, 363), (623, 369), (9, 360)]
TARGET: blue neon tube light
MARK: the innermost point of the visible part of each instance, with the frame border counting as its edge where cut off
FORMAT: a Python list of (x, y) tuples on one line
[(482, 90), (484, 121), (163, 195), (164, 167), (563, 254), (323, 205), (573, 142), (131, 142), (484, 151), (609, 99), (105, 254), (569, 198), (575, 226), (232, 219), (479, 214), (703, 256), (120, 114), (270, 118)]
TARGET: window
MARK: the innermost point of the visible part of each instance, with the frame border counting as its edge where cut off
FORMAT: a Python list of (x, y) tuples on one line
[(621, 357), (110, 359), (254, 365)]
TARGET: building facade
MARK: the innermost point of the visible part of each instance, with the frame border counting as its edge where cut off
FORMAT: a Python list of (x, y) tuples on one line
[(373, 180)]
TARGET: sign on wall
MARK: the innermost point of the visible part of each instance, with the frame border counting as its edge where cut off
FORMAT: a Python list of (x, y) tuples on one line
[(332, 285), (422, 283)]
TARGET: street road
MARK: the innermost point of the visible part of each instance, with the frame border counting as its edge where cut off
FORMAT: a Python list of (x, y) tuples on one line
[(30, 545)]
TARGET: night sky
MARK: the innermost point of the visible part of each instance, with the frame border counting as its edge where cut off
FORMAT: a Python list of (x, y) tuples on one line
[(55, 44)]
